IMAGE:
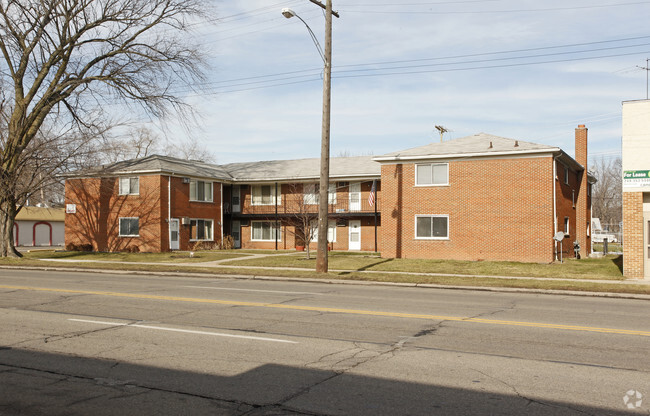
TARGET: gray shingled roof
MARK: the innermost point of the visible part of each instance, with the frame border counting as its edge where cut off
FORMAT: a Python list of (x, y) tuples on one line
[(477, 144), (340, 167), (161, 164)]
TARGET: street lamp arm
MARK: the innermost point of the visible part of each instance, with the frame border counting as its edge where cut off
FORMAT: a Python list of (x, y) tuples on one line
[(288, 13)]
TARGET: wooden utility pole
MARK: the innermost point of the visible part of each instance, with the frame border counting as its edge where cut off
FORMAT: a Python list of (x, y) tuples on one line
[(647, 69), (323, 206)]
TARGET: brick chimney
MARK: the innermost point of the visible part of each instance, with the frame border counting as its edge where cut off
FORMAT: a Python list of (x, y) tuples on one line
[(583, 208)]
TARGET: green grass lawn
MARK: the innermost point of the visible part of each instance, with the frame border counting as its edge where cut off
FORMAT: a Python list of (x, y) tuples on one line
[(174, 257), (350, 266), (593, 268)]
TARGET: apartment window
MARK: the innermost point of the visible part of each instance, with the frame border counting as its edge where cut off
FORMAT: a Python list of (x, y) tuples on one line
[(311, 194), (264, 195), (566, 225), (200, 191), (129, 227), (566, 175), (432, 174), (331, 231), (265, 231), (432, 226), (129, 186), (201, 229)]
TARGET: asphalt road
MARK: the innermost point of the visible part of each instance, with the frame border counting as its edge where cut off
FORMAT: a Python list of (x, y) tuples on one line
[(105, 344)]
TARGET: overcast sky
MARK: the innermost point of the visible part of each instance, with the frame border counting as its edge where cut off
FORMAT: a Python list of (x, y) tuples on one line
[(526, 70)]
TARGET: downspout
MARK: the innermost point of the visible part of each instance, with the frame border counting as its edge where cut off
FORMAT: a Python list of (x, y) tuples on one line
[(276, 216), (555, 203), (221, 209), (169, 211)]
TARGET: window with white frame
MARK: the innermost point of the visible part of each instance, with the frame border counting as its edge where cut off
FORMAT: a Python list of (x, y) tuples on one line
[(201, 229), (432, 174), (200, 191), (130, 186), (311, 195), (264, 195), (432, 226), (129, 227), (331, 231), (265, 231)]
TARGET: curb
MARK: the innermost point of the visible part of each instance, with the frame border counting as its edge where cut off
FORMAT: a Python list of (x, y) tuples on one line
[(611, 295)]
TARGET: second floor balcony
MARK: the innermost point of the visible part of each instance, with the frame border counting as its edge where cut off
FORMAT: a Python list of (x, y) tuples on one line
[(301, 204)]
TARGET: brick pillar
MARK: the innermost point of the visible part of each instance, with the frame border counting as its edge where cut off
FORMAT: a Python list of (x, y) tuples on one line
[(633, 235), (583, 212)]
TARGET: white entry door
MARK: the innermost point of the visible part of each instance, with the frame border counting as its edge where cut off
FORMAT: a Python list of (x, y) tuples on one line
[(355, 235), (174, 243), (355, 196), (236, 233)]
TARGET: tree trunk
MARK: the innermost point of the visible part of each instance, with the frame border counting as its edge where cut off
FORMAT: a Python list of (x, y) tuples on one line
[(7, 219)]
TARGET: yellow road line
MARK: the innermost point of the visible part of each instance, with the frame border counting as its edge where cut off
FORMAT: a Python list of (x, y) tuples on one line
[(337, 310)]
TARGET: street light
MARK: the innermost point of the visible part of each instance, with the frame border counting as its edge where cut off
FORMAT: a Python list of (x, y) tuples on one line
[(321, 256)]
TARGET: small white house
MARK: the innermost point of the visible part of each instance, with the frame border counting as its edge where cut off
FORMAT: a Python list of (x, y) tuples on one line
[(39, 226)]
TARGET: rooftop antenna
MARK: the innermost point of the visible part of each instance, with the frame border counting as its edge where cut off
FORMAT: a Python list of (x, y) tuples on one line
[(442, 131), (647, 69)]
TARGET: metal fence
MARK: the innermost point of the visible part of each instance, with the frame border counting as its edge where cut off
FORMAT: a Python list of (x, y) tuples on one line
[(609, 240)]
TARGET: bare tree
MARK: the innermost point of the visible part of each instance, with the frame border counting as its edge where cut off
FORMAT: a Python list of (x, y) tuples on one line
[(67, 59), (607, 196), (302, 206)]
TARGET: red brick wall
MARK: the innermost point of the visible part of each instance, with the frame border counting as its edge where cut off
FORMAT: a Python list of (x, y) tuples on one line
[(633, 233), (567, 198), (99, 208), (583, 203), (182, 207), (499, 209)]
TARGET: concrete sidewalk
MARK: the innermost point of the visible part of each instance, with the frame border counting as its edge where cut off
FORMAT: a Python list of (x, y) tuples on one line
[(219, 263)]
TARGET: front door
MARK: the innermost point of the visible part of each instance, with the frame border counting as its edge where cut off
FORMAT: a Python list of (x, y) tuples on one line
[(355, 196), (174, 243), (236, 233), (355, 235)]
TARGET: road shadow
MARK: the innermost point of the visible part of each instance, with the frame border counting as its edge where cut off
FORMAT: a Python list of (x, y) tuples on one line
[(37, 383)]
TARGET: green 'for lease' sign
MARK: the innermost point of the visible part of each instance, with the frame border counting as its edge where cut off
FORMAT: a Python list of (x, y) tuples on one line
[(636, 178)]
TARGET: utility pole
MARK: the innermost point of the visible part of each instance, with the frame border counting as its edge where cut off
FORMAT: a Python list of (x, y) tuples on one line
[(647, 69), (323, 207), (323, 192)]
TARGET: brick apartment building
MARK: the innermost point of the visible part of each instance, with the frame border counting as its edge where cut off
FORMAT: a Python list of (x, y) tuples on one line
[(161, 203), (480, 197), (485, 197), (636, 189)]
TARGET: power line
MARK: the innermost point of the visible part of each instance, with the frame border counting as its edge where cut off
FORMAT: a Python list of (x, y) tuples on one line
[(550, 9), (307, 75)]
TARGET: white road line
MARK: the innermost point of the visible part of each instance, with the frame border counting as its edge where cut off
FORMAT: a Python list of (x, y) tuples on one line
[(253, 290), (186, 331)]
